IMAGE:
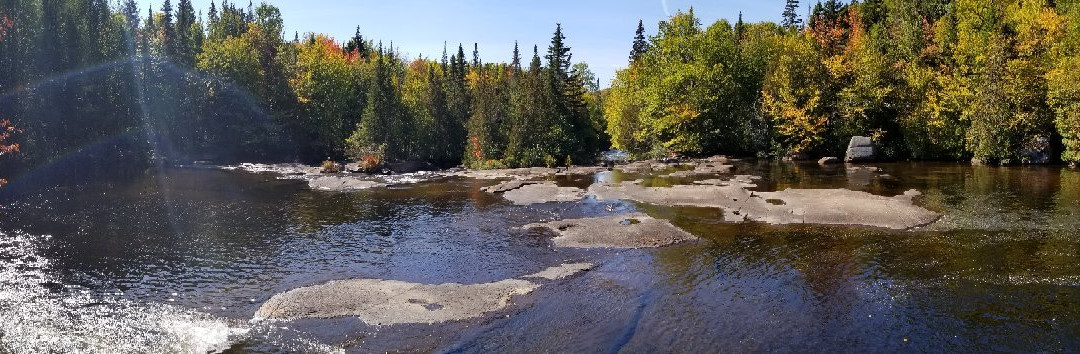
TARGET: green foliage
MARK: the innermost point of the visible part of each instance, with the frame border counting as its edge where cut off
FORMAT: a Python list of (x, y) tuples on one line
[(931, 79)]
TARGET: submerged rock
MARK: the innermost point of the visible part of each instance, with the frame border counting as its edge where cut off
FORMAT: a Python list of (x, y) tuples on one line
[(623, 231), (386, 302), (817, 206)]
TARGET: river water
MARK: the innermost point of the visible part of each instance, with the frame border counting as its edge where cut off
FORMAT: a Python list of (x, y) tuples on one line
[(179, 261)]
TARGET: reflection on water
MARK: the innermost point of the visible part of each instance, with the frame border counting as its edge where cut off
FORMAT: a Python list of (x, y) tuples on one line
[(180, 262)]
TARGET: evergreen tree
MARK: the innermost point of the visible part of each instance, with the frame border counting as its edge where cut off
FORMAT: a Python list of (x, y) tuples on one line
[(515, 62), (476, 55), (168, 31), (790, 16), (640, 45), (357, 44)]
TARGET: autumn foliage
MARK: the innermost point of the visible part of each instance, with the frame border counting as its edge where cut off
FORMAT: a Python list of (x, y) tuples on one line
[(7, 131)]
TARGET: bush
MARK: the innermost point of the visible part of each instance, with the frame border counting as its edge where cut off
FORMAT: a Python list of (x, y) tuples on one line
[(370, 157), (549, 161), (330, 167)]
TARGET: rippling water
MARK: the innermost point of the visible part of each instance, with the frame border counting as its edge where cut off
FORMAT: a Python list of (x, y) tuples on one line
[(179, 262)]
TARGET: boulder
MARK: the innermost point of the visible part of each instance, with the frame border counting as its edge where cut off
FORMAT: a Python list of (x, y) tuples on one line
[(828, 160), (860, 149)]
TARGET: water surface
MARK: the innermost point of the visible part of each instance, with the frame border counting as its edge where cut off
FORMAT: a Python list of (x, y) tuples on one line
[(180, 260)]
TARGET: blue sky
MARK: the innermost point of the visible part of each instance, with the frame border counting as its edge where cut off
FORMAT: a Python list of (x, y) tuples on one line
[(599, 32)]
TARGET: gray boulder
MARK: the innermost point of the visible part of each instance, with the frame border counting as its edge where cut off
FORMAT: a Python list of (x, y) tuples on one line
[(860, 149)]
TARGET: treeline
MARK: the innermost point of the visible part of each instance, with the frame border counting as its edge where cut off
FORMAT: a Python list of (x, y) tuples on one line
[(991, 81), (88, 82)]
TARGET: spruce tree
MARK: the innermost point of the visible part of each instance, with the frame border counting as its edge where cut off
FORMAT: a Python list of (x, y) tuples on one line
[(168, 32), (515, 62), (790, 16), (640, 45), (213, 14), (185, 38), (476, 55)]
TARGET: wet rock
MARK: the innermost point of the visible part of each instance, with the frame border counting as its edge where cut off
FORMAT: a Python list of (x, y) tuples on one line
[(623, 231), (703, 168), (561, 272), (828, 160), (507, 186), (860, 149), (342, 183), (817, 206), (535, 193), (386, 302), (511, 173)]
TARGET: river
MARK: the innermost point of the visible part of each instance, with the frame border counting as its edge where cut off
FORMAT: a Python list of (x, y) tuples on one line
[(180, 260)]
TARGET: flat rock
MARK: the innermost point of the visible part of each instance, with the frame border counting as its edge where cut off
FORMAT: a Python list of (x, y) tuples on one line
[(791, 206), (561, 271), (535, 193), (342, 183), (387, 302), (623, 231), (507, 186)]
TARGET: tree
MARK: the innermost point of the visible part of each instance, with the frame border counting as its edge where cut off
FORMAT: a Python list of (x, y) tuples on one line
[(791, 16), (794, 99), (358, 45), (640, 45)]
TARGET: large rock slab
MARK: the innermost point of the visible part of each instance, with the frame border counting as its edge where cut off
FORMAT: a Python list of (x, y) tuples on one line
[(791, 206), (535, 192), (543, 193), (860, 149), (387, 302), (623, 231), (342, 183)]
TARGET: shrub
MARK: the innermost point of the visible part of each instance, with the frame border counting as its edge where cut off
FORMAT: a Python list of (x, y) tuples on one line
[(329, 166)]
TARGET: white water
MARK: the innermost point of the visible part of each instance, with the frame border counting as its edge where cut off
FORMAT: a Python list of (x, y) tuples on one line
[(36, 318)]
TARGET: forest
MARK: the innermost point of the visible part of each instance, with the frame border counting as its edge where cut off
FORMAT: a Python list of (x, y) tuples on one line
[(83, 81), (91, 84), (967, 80)]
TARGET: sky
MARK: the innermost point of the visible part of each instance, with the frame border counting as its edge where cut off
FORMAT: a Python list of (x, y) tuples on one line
[(599, 32)]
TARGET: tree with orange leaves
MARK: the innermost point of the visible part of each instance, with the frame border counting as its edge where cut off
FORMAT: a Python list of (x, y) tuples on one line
[(7, 131)]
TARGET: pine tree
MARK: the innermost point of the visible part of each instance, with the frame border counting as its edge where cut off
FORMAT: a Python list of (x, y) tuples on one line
[(185, 36), (516, 61), (168, 31), (640, 45), (740, 29), (131, 14), (213, 14), (791, 17), (357, 44), (476, 55)]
